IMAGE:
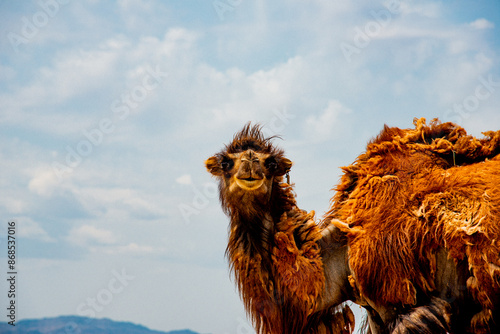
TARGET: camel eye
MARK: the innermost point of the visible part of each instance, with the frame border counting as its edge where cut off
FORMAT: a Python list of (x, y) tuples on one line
[(271, 164), (226, 164)]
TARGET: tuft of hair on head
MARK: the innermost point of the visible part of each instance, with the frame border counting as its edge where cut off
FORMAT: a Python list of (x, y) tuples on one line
[(252, 137)]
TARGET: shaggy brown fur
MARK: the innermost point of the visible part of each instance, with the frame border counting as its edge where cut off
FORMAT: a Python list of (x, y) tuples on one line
[(273, 249), (415, 191)]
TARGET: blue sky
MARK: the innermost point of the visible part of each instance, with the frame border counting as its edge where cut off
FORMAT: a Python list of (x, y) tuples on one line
[(109, 108)]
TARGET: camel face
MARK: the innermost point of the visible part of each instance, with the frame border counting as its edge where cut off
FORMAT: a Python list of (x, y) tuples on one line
[(243, 174), (247, 172), (248, 167)]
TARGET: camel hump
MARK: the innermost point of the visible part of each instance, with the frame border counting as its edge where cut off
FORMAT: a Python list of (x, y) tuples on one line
[(447, 140)]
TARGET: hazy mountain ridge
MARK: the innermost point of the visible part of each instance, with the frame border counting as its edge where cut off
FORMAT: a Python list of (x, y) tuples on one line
[(79, 325)]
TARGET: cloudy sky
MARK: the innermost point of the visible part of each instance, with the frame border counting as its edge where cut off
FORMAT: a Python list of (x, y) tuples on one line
[(109, 108)]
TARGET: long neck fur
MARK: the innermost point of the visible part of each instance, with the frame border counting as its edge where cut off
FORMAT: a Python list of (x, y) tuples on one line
[(253, 224), (276, 260), (251, 240)]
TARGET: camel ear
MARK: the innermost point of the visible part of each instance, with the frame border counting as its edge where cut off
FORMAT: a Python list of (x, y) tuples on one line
[(284, 166), (213, 166)]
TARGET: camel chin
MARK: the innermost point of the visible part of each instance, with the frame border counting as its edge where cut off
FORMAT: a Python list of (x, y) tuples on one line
[(249, 185)]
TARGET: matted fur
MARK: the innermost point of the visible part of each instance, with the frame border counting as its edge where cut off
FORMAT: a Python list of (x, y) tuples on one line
[(433, 318), (414, 191), (282, 296)]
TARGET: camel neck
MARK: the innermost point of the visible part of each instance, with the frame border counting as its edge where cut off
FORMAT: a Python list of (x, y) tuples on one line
[(252, 229)]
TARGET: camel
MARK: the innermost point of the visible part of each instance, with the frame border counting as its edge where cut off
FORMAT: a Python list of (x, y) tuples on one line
[(412, 235)]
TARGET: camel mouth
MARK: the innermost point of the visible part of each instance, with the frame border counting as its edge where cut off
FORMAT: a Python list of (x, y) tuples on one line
[(249, 184)]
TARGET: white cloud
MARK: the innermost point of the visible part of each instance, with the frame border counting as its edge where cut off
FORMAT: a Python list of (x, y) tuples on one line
[(116, 204), (424, 9), (15, 205), (131, 5), (275, 87), (71, 75), (184, 179), (129, 249), (108, 71), (233, 97), (7, 73), (30, 229), (90, 235), (44, 182), (482, 23), (324, 126), (404, 31)]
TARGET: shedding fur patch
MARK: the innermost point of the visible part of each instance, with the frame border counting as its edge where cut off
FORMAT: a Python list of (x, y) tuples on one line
[(414, 191), (299, 268)]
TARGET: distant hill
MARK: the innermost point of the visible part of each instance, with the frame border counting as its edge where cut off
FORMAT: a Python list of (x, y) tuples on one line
[(79, 325)]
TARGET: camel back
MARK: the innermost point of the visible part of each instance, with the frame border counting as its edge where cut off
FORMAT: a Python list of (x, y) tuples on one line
[(412, 192)]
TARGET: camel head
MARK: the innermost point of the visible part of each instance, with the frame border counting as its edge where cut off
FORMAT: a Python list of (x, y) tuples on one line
[(247, 169)]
